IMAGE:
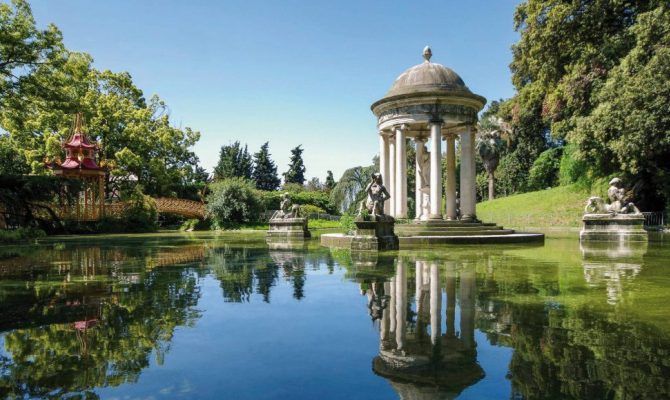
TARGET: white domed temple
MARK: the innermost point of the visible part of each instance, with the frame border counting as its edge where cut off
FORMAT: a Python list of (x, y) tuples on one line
[(426, 105), (429, 103)]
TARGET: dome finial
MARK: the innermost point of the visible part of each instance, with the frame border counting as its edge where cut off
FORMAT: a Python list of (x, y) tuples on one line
[(427, 53)]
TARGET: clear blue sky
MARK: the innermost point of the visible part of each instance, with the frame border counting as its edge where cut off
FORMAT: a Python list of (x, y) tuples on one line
[(291, 72)]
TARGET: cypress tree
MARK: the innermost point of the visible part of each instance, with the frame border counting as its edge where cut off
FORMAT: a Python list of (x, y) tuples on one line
[(265, 170), (330, 181), (234, 162), (296, 168)]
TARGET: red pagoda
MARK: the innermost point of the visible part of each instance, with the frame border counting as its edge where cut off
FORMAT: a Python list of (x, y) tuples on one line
[(80, 163)]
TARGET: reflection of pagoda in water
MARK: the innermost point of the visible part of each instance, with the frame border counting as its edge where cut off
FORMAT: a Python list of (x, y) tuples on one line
[(419, 360)]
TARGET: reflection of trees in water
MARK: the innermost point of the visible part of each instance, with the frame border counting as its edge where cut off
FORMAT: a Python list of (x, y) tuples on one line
[(568, 341), (92, 320), (572, 350), (243, 271)]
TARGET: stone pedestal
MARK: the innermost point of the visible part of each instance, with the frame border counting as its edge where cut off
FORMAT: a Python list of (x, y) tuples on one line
[(374, 236), (613, 228), (288, 228)]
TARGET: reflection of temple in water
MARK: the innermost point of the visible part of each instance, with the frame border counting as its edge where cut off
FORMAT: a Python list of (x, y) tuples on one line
[(418, 357)]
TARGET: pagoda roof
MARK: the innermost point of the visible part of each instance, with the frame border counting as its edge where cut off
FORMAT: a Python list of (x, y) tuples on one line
[(79, 140)]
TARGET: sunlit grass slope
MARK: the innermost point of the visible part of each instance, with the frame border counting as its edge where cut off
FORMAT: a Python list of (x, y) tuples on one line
[(561, 206)]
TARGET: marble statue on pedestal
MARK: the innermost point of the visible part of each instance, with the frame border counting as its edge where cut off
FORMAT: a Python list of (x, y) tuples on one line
[(286, 222), (376, 196), (286, 208), (618, 221), (376, 232)]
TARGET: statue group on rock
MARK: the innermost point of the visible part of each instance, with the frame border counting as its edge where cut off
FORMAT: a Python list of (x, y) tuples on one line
[(619, 202)]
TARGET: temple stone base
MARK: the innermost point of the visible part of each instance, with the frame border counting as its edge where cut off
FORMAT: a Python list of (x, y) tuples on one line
[(288, 228), (374, 236), (427, 233), (614, 228)]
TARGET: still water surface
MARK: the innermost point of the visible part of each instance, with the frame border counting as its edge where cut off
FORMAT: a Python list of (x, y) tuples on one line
[(213, 317)]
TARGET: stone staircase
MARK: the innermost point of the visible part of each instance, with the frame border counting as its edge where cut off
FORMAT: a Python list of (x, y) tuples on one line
[(445, 232)]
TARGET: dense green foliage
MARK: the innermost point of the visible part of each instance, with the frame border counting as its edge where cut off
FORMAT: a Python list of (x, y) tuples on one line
[(348, 191), (43, 85), (271, 200), (31, 200), (296, 167), (594, 74), (545, 170), (234, 162), (20, 235), (265, 171), (232, 202)]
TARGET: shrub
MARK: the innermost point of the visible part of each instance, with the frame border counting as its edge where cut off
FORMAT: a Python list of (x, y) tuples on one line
[(194, 225), (347, 223), (141, 215), (232, 202), (270, 200), (21, 235), (307, 209), (544, 172), (572, 170)]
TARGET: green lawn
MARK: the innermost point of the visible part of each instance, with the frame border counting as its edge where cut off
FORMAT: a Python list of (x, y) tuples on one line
[(561, 206)]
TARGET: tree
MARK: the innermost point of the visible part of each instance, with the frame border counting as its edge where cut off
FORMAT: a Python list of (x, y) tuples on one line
[(12, 160), (349, 189), (265, 170), (490, 146), (544, 172), (330, 181), (315, 185), (234, 162), (23, 48), (44, 84), (233, 201), (628, 131), (594, 73), (296, 168)]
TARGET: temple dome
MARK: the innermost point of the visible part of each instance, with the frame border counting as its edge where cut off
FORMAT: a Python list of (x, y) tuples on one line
[(427, 77), (417, 92)]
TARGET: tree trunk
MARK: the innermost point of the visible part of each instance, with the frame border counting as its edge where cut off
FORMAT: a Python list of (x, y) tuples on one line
[(491, 186)]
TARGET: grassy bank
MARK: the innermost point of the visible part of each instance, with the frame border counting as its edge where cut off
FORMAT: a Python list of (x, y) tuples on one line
[(557, 207), (20, 235)]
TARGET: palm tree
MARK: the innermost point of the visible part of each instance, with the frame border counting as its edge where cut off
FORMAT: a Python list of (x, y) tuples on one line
[(490, 146)]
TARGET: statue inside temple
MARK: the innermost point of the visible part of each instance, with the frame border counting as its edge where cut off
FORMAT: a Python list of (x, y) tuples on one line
[(423, 166), (619, 202), (376, 195), (286, 208)]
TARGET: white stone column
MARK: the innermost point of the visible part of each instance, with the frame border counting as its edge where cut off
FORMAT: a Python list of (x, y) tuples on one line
[(384, 164), (419, 143), (401, 172), (435, 304), (400, 304), (468, 289), (435, 170), (467, 175), (451, 178), (473, 176), (392, 174)]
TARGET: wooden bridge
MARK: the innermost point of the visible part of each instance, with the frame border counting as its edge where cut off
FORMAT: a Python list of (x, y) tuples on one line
[(165, 205)]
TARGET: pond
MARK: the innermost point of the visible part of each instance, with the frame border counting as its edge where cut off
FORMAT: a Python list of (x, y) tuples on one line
[(221, 316)]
